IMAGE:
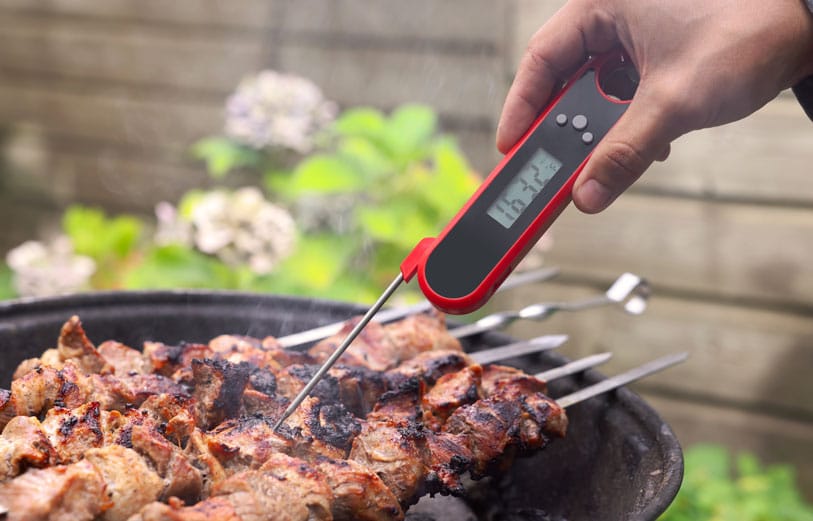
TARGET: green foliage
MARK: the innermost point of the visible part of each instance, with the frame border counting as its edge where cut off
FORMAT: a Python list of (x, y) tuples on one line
[(223, 155), (110, 242), (6, 284), (176, 266), (404, 178), (715, 488)]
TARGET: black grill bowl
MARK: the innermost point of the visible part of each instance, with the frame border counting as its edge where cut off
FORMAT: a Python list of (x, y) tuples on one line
[(619, 461)]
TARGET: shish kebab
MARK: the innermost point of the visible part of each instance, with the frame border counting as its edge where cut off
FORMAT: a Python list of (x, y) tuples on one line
[(97, 460), (460, 270)]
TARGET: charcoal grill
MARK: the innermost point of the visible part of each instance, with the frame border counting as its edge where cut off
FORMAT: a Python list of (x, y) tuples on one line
[(619, 462)]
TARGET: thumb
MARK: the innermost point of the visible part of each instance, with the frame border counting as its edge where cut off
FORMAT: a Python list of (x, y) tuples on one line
[(641, 136)]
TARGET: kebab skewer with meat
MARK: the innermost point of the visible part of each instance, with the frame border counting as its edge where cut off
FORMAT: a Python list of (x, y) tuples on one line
[(124, 358)]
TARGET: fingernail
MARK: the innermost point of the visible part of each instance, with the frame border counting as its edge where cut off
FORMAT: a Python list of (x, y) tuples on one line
[(594, 196)]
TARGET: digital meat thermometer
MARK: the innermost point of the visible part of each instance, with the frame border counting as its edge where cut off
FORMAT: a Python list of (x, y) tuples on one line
[(459, 270)]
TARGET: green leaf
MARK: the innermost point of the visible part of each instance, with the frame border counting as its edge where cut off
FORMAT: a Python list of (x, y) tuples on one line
[(321, 174), (98, 237), (451, 183), (360, 122), (367, 158), (223, 155), (318, 262), (409, 130), (6, 283), (176, 266), (400, 222)]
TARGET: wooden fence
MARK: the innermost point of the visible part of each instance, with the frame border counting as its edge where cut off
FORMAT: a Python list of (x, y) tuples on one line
[(99, 102)]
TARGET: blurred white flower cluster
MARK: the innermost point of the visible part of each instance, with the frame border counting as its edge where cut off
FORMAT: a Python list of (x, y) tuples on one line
[(240, 228), (42, 270), (272, 109)]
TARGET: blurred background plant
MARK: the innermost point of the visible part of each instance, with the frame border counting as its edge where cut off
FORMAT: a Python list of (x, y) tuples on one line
[(720, 487), (334, 202)]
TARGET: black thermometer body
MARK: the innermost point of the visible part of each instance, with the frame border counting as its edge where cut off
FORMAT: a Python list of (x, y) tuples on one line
[(459, 270)]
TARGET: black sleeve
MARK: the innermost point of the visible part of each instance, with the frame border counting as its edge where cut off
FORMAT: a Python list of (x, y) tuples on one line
[(804, 93)]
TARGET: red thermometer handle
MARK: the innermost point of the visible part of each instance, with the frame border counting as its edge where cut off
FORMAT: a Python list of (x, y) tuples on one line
[(459, 270)]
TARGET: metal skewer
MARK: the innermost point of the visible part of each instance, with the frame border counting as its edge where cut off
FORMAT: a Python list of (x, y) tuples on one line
[(629, 290), (388, 315), (525, 347), (340, 350), (622, 379), (574, 367)]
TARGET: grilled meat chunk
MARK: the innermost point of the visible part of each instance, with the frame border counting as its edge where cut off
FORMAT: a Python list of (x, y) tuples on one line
[(219, 385), (130, 483), (247, 442), (124, 359), (72, 432), (75, 492), (7, 407), (73, 344), (285, 489), (358, 492), (397, 454), (419, 333), (322, 428), (165, 359), (24, 445), (451, 391), (428, 366)]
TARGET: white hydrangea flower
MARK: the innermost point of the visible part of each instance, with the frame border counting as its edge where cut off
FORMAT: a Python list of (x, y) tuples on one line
[(272, 109), (242, 227), (171, 228), (42, 270)]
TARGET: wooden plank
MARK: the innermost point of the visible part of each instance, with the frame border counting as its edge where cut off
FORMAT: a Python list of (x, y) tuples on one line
[(753, 357), (200, 62), (765, 156), (727, 250), (469, 86), (774, 441), (112, 116), (241, 14), (478, 21)]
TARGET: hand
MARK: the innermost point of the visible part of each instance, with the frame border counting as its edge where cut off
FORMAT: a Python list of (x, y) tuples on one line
[(702, 63)]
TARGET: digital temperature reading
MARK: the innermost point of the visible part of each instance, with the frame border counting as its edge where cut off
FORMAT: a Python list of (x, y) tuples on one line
[(524, 188)]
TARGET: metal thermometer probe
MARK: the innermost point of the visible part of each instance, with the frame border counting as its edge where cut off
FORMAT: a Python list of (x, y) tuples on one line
[(459, 270)]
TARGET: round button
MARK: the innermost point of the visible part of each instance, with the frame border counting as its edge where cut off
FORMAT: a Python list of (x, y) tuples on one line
[(561, 120), (587, 138), (580, 122)]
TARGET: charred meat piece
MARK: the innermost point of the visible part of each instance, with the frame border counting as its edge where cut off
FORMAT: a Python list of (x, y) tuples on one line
[(451, 391), (236, 349), (397, 454), (124, 359), (7, 408), (428, 366), (372, 348), (130, 483), (73, 344), (322, 428), (165, 359), (419, 333), (357, 388), (72, 432), (75, 492), (218, 387), (358, 492), (24, 445), (381, 347), (247, 442), (286, 489)]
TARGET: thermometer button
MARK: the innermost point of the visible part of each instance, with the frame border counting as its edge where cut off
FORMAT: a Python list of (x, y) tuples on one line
[(580, 122), (587, 138), (561, 120)]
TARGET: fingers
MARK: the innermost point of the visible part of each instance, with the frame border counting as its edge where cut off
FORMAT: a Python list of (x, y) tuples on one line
[(555, 51), (641, 136)]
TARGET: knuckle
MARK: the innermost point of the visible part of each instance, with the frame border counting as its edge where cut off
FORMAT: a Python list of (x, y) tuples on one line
[(627, 162)]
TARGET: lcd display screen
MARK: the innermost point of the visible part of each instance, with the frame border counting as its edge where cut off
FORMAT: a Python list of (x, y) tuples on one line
[(524, 188)]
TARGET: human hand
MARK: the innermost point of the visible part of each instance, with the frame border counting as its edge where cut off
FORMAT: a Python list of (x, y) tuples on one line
[(702, 63)]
